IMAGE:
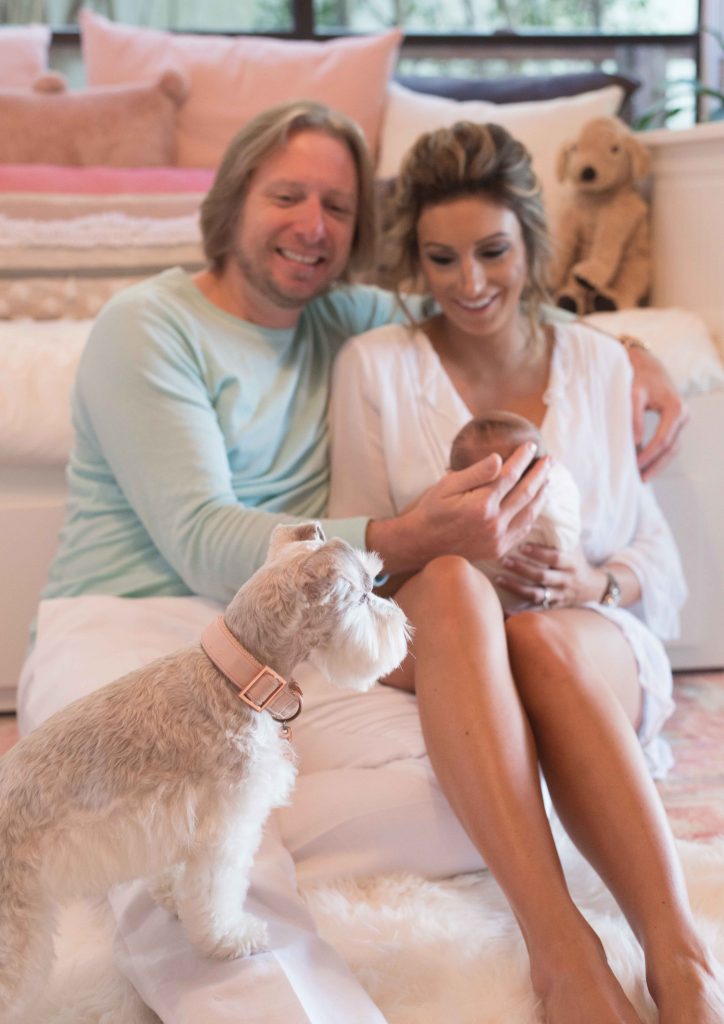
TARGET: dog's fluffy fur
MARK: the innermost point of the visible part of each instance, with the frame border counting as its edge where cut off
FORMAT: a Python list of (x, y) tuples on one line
[(166, 773)]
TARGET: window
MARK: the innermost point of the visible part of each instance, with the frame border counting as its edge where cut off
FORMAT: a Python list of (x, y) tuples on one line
[(653, 41)]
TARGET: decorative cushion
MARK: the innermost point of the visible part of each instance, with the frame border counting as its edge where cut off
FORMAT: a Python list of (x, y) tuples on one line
[(233, 79), (38, 363), (516, 88), (23, 53), (118, 125), (679, 338), (72, 237), (542, 126)]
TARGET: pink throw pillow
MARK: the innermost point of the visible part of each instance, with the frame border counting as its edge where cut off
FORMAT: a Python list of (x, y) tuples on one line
[(233, 79), (23, 53), (113, 125)]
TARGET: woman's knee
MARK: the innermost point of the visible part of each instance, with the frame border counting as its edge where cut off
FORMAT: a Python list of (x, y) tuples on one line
[(546, 653), (449, 600), (450, 580), (532, 635), (570, 657)]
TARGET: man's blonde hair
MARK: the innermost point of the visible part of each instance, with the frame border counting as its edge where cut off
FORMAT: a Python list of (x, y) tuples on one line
[(247, 151)]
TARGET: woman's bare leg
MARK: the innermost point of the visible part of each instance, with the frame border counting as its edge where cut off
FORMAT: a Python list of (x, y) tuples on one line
[(578, 682), (484, 754)]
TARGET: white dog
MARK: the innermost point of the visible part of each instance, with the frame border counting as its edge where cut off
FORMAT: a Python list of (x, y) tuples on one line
[(172, 770)]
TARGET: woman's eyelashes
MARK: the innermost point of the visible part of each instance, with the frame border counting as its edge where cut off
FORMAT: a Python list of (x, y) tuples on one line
[(448, 259), (439, 260)]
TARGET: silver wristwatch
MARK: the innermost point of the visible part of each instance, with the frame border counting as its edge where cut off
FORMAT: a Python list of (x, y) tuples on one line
[(612, 594)]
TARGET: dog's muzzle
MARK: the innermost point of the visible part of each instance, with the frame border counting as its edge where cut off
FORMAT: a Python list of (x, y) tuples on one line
[(259, 686)]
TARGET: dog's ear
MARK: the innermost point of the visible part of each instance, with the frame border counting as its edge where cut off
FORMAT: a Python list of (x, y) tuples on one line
[(639, 156), (319, 575), (329, 571), (562, 162), (292, 533)]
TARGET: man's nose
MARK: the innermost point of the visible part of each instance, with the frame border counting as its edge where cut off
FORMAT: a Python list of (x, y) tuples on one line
[(311, 223)]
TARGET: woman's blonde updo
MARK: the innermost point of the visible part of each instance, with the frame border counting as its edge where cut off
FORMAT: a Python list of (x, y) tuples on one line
[(478, 160)]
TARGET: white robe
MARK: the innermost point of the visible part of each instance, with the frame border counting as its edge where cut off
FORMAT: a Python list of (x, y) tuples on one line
[(395, 413)]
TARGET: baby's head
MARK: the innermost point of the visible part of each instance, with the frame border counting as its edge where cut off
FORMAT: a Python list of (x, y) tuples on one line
[(499, 432)]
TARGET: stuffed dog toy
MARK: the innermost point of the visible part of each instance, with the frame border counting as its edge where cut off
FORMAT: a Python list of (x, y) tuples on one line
[(171, 771), (602, 253)]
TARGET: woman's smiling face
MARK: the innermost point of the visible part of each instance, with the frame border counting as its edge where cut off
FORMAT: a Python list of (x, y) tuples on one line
[(473, 257)]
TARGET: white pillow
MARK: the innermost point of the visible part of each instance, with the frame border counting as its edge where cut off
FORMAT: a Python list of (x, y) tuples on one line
[(38, 363), (680, 339), (542, 126)]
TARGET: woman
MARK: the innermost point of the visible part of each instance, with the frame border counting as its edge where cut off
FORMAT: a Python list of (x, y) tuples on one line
[(567, 685)]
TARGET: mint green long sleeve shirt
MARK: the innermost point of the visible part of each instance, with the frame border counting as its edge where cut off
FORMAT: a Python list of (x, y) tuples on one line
[(195, 433)]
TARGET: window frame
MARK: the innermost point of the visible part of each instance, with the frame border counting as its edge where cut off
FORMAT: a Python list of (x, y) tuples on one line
[(304, 29), (500, 43)]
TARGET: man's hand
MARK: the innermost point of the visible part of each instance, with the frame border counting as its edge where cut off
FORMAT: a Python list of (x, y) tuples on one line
[(479, 513), (654, 389)]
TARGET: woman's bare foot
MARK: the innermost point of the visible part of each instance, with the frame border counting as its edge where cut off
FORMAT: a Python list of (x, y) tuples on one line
[(577, 986), (691, 991)]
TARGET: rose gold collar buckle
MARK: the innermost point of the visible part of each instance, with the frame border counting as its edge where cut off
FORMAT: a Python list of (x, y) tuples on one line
[(262, 689), (259, 686)]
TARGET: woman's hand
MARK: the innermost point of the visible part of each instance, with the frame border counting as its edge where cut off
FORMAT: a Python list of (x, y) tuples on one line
[(551, 578), (653, 389)]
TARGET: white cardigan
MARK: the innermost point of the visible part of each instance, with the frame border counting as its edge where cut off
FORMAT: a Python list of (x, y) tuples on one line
[(394, 414)]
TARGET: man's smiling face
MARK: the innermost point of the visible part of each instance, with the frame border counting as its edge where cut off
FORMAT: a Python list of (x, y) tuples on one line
[(295, 229)]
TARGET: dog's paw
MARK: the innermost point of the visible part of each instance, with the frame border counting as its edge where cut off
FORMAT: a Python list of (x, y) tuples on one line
[(567, 302), (604, 303), (592, 274), (249, 936)]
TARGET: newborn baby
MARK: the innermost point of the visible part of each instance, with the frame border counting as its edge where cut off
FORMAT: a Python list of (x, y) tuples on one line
[(559, 523)]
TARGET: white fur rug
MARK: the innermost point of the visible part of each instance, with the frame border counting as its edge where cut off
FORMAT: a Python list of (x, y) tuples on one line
[(426, 952)]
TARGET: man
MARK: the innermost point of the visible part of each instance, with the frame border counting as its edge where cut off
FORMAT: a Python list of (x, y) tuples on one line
[(200, 417)]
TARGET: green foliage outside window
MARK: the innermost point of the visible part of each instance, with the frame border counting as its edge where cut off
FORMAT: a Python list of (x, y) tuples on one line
[(429, 16), (487, 16)]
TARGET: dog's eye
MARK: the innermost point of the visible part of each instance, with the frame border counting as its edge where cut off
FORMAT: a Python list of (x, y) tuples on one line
[(615, 149)]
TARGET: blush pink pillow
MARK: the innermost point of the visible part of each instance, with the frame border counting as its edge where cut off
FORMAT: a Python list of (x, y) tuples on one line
[(233, 79), (23, 53)]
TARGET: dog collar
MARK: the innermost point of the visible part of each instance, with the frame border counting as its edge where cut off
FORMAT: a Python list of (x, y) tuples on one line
[(259, 686)]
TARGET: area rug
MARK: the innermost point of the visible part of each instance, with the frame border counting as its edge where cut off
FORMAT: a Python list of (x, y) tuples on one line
[(443, 952), (693, 793), (449, 952)]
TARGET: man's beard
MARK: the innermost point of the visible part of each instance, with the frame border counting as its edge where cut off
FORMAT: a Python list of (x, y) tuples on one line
[(264, 283)]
